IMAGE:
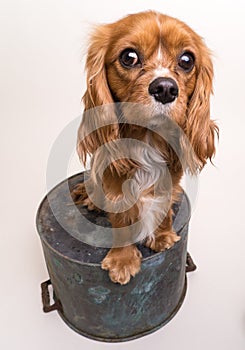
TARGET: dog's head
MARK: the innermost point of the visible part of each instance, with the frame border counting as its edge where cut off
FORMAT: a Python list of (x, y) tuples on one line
[(158, 62)]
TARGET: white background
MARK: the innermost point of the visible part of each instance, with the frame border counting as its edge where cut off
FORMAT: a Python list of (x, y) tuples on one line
[(41, 83)]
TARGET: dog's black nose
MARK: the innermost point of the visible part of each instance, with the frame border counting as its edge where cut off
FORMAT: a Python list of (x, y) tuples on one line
[(164, 90)]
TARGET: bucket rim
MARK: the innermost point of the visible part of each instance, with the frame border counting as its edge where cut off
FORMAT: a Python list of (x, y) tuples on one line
[(40, 230)]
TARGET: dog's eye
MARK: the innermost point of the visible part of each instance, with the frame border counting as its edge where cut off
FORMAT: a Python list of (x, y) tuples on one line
[(129, 58), (186, 61)]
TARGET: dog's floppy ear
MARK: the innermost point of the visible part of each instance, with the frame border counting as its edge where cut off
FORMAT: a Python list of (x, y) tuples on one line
[(99, 125), (200, 129), (98, 92)]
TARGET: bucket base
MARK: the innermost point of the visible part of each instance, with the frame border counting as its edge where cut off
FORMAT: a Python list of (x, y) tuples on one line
[(132, 337)]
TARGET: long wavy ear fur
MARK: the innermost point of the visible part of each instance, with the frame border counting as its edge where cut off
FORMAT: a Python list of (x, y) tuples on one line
[(99, 125), (200, 129)]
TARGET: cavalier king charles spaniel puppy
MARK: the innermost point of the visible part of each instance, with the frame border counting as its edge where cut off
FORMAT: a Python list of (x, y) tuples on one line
[(145, 73)]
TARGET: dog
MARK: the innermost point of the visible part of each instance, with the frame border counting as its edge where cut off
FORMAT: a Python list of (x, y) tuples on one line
[(145, 73)]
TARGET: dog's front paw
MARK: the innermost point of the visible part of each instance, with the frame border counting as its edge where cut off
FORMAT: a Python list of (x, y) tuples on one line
[(122, 263), (80, 196), (162, 241)]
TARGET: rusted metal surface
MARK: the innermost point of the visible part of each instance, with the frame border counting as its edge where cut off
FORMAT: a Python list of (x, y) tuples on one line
[(85, 297)]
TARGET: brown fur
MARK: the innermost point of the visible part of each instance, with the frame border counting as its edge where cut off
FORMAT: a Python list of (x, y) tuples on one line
[(108, 81)]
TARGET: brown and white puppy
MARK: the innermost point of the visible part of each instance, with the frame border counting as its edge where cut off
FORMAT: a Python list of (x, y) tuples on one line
[(160, 64)]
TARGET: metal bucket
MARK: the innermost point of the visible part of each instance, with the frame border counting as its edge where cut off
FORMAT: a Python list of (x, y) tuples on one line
[(85, 297)]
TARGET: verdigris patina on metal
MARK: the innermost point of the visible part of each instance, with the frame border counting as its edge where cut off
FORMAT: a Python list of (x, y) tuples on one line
[(84, 295)]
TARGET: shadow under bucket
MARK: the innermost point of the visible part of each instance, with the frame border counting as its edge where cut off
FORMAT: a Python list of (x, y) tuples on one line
[(85, 297)]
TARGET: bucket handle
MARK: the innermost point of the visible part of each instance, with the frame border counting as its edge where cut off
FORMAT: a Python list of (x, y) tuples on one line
[(46, 298), (190, 265)]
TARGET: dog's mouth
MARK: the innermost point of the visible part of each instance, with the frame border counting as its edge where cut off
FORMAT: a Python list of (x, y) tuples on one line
[(153, 114), (164, 110)]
